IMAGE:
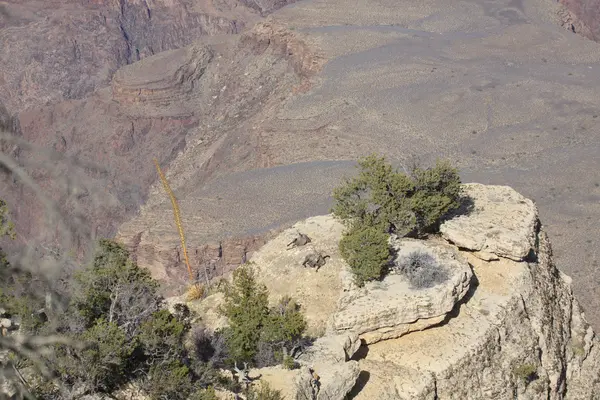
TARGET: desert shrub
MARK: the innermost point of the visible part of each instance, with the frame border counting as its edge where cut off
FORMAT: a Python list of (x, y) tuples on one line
[(166, 381), (204, 394), (114, 287), (247, 307), (7, 228), (526, 373), (256, 332), (116, 308), (366, 250), (436, 191), (289, 362), (422, 270), (161, 338), (101, 366), (383, 197), (284, 328), (18, 296), (263, 391)]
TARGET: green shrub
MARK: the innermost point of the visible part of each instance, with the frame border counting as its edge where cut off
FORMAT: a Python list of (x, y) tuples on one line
[(437, 191), (526, 372), (103, 365), (7, 228), (247, 307), (366, 250), (19, 296), (285, 323), (161, 338), (170, 380), (116, 307), (115, 288), (289, 362), (395, 202), (204, 394), (256, 332)]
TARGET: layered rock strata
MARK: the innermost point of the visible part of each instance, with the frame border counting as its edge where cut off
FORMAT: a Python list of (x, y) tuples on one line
[(392, 308)]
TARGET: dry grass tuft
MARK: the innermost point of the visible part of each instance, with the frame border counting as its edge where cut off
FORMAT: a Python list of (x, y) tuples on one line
[(194, 292)]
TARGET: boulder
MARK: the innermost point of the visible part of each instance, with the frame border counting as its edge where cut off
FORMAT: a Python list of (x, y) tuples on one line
[(392, 308), (329, 357), (497, 221)]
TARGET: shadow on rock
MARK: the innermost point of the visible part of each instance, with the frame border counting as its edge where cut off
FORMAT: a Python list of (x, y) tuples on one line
[(361, 382), (455, 312), (362, 351)]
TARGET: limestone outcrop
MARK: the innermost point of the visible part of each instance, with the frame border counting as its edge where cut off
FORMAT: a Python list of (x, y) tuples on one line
[(391, 308), (508, 325), (166, 82), (499, 221)]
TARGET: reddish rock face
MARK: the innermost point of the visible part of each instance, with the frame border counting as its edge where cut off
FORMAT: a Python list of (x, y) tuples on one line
[(92, 157), (58, 49), (91, 152), (584, 18)]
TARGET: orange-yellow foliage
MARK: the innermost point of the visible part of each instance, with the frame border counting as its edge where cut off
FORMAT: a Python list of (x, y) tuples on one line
[(177, 217)]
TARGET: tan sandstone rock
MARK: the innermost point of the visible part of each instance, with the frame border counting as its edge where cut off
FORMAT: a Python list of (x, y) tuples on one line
[(507, 326), (500, 221), (392, 308)]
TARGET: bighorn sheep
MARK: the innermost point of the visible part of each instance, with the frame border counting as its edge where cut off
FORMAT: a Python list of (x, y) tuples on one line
[(301, 240), (315, 260)]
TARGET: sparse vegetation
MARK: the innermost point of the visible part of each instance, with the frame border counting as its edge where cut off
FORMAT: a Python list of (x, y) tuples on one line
[(116, 314), (422, 270), (264, 392), (204, 394), (382, 200), (526, 373)]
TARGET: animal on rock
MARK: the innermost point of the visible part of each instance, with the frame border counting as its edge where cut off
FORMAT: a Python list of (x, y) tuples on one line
[(315, 260), (301, 240)]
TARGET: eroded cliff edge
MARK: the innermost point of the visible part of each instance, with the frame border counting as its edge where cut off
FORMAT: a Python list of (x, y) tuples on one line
[(516, 330)]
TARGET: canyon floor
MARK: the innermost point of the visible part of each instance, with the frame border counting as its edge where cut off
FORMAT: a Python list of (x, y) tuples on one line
[(496, 86)]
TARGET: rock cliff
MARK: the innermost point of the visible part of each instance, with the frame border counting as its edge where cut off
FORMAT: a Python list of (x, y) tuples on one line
[(513, 330), (97, 161), (64, 50), (582, 17)]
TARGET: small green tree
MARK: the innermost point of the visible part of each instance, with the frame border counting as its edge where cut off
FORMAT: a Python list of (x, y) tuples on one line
[(253, 326), (115, 288), (247, 307), (284, 329), (382, 200), (116, 307), (437, 191), (396, 202), (366, 250), (161, 338), (168, 381)]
